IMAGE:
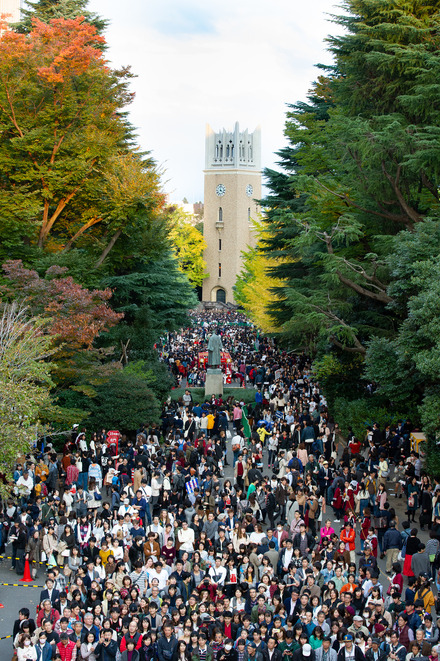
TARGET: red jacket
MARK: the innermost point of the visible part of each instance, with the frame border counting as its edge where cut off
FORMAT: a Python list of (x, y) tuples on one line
[(53, 616), (349, 537), (137, 638), (67, 652)]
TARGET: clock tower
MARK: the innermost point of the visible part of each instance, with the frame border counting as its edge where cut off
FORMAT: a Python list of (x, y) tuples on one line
[(232, 186)]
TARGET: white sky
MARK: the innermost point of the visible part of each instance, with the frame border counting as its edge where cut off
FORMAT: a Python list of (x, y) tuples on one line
[(215, 62)]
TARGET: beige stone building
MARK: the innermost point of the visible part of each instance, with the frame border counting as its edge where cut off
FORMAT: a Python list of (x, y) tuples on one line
[(12, 8), (232, 186)]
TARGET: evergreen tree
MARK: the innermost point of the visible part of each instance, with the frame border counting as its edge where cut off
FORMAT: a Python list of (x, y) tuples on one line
[(360, 175), (46, 10)]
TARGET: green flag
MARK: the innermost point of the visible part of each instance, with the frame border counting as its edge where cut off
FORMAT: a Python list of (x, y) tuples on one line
[(245, 422)]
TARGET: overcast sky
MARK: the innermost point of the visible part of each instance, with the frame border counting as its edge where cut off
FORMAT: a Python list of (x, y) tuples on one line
[(215, 62)]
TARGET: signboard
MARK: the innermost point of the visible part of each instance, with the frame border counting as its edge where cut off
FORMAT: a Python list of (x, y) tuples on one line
[(113, 440), (225, 358)]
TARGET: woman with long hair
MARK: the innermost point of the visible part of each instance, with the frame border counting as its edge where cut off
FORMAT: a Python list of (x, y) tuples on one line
[(412, 546), (26, 651)]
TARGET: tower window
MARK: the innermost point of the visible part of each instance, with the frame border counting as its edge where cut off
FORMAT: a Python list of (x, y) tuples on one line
[(249, 214), (219, 270), (220, 215), (219, 244)]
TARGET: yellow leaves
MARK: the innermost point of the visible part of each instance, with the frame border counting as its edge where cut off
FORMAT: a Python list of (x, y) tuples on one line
[(127, 181), (188, 245), (255, 285)]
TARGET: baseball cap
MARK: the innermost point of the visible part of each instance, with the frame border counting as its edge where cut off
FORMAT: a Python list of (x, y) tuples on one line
[(306, 650), (347, 637)]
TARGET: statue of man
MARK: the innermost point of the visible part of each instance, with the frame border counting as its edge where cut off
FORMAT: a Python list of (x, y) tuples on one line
[(215, 346)]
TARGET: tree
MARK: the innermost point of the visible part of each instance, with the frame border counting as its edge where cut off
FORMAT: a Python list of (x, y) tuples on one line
[(188, 246), (154, 297), (75, 317), (46, 10), (62, 120), (406, 367), (359, 169), (25, 383), (255, 286), (126, 401)]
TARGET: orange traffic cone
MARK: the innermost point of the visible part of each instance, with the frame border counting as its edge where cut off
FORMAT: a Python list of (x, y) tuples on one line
[(27, 577)]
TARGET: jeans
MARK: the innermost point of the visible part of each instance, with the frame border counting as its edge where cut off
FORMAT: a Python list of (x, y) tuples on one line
[(82, 480), (148, 513)]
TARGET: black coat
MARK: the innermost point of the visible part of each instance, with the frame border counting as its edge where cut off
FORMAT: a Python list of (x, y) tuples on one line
[(358, 654), (297, 540), (277, 655)]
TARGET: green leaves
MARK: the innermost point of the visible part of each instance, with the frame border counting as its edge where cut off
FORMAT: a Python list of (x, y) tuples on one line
[(25, 381)]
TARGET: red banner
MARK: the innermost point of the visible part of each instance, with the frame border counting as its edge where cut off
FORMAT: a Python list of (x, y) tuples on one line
[(203, 358), (113, 439)]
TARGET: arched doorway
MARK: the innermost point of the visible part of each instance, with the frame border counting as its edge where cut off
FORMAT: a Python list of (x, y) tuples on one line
[(220, 295)]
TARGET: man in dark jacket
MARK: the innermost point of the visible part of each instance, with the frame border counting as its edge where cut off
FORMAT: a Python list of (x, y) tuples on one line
[(349, 648), (166, 645), (303, 540), (270, 653), (107, 648), (375, 653)]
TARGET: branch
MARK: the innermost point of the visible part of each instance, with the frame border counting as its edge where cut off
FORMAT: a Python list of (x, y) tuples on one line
[(410, 212), (429, 185), (107, 249), (357, 268), (354, 349), (13, 117), (358, 346), (389, 216), (81, 231), (47, 226), (381, 297)]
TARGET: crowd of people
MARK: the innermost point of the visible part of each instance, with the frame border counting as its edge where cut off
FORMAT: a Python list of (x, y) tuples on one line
[(229, 532)]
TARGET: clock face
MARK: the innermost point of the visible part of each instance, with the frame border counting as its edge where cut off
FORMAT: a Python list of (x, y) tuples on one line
[(249, 190), (220, 190)]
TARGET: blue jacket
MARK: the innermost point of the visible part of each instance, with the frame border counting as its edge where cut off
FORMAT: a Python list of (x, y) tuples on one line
[(166, 649), (45, 653), (392, 540)]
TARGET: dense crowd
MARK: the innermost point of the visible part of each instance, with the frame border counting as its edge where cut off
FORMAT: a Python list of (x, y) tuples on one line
[(228, 533)]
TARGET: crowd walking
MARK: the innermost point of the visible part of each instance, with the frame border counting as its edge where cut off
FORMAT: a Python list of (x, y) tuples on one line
[(229, 532)]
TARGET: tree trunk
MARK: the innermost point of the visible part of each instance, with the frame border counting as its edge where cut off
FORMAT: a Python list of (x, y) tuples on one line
[(107, 249)]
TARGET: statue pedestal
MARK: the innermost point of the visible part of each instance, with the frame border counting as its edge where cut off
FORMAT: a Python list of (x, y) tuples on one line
[(214, 382)]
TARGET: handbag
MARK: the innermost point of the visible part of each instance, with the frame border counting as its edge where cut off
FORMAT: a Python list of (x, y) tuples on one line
[(97, 496), (62, 546), (411, 501)]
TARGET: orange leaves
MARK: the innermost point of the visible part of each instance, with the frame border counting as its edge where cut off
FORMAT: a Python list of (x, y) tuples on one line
[(67, 47), (70, 47)]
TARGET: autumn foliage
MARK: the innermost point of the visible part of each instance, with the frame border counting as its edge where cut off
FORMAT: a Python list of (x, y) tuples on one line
[(76, 315), (61, 121)]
